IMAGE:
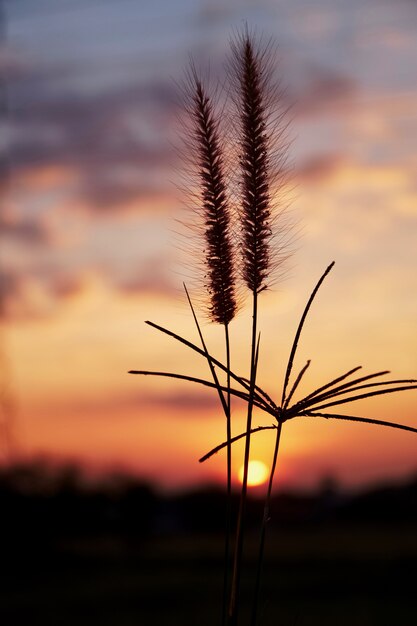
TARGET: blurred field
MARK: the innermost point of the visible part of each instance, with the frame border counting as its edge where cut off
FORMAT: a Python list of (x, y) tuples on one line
[(321, 569), (345, 576)]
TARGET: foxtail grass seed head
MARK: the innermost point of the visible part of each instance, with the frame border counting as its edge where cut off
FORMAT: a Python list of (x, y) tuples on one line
[(219, 261), (254, 162), (260, 127)]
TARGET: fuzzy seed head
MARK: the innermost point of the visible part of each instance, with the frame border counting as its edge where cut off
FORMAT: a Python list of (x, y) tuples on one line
[(255, 195), (249, 75), (219, 251)]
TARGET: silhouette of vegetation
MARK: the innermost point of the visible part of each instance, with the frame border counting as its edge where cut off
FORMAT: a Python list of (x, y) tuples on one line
[(214, 220), (261, 147)]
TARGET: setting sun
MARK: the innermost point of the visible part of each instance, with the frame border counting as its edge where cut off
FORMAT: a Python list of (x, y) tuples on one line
[(257, 473)]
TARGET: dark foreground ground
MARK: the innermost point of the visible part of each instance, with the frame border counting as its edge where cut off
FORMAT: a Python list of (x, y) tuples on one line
[(344, 578), (352, 564)]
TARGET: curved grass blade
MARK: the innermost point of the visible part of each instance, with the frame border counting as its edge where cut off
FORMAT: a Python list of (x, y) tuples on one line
[(219, 364), (263, 393), (226, 408), (349, 418), (295, 385), (342, 392), (364, 395), (206, 383), (366, 420), (299, 329), (330, 384), (336, 390), (233, 440), (336, 416)]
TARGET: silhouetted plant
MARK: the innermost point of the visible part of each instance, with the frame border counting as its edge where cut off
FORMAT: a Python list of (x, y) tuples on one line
[(250, 78), (214, 221), (262, 150)]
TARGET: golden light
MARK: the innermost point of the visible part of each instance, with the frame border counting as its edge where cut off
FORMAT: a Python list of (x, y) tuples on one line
[(257, 473)]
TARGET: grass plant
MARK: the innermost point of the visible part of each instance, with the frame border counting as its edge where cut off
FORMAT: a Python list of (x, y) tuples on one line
[(260, 144), (214, 221)]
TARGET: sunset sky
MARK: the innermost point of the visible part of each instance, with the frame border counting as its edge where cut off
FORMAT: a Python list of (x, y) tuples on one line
[(89, 252)]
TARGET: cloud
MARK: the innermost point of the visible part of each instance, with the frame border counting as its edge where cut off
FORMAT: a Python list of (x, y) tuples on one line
[(196, 402), (105, 121), (320, 87), (155, 281), (26, 296), (43, 292), (318, 168), (190, 402), (114, 140), (28, 231), (9, 288)]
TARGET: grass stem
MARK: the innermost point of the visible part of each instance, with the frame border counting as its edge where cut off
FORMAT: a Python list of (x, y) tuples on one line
[(229, 482), (237, 567), (265, 520)]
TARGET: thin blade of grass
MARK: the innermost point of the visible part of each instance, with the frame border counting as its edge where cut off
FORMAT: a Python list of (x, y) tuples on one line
[(366, 420), (226, 409), (299, 329), (314, 398), (206, 383), (364, 395), (233, 440), (257, 351), (263, 393), (331, 383), (224, 397), (349, 418), (342, 392), (265, 520), (219, 364), (295, 385), (239, 536)]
